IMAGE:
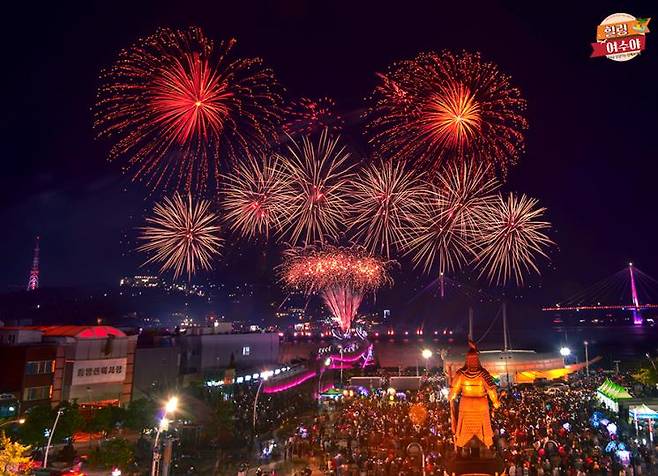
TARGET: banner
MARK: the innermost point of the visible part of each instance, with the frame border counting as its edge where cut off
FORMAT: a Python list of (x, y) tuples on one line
[(623, 29), (620, 37), (633, 44), (98, 371)]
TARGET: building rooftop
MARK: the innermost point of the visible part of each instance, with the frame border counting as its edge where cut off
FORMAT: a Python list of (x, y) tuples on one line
[(81, 332)]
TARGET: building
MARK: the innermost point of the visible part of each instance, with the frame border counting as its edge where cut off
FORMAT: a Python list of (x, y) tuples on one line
[(50, 364), (31, 368), (204, 351), (157, 367)]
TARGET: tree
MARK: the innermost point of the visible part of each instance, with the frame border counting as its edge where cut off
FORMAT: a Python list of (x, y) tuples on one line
[(40, 419), (70, 421), (141, 414), (646, 376), (14, 457), (223, 423), (105, 419), (115, 453)]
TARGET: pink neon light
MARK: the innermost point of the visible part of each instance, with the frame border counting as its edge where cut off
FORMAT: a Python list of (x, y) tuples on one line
[(637, 317), (338, 358), (340, 366), (293, 383)]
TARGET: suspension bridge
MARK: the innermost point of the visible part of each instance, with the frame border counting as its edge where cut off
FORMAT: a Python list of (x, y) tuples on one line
[(628, 290)]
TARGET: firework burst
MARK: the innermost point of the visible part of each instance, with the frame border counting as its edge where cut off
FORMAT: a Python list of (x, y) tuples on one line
[(306, 116), (340, 275), (386, 199), (182, 235), (441, 107), (512, 238), (316, 176), (450, 218), (174, 105), (255, 198)]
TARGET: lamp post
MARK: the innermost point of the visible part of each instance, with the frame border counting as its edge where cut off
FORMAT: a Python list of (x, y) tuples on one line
[(427, 355), (327, 363), (262, 381), (20, 421), (414, 449), (170, 407), (586, 358), (340, 350), (50, 437)]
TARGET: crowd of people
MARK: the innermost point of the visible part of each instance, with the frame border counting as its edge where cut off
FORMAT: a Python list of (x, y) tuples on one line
[(537, 432)]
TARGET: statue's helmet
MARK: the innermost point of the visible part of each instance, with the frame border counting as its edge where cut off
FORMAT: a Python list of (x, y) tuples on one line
[(472, 359)]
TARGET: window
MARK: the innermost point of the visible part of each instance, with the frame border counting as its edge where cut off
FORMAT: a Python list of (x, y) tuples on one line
[(38, 367), (36, 393), (246, 350)]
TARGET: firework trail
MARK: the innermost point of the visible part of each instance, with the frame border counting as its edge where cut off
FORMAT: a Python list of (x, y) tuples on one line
[(512, 239), (447, 226), (173, 105), (316, 175), (181, 235), (307, 116), (386, 199), (442, 107), (340, 275), (255, 198)]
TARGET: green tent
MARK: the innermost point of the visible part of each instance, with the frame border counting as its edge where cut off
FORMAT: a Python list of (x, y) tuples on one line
[(610, 394), (613, 390)]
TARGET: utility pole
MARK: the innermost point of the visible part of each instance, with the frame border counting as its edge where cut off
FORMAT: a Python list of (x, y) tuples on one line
[(470, 323), (505, 347)]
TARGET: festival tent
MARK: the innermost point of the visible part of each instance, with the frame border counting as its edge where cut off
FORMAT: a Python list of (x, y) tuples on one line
[(610, 393), (643, 412)]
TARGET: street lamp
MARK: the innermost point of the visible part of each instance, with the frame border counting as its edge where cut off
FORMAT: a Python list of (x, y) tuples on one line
[(327, 363), (586, 358), (50, 437), (427, 355), (20, 421), (169, 407), (565, 351), (414, 449), (262, 381)]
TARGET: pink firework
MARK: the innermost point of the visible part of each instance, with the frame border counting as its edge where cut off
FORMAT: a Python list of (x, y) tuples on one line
[(340, 275)]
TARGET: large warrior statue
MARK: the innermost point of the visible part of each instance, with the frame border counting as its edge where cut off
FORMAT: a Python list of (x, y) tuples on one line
[(474, 384)]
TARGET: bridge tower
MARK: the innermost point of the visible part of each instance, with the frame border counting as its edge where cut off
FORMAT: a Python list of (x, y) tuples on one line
[(33, 282), (637, 317)]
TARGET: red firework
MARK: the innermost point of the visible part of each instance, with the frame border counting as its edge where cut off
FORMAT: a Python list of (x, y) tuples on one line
[(340, 275), (439, 107), (306, 116), (174, 106)]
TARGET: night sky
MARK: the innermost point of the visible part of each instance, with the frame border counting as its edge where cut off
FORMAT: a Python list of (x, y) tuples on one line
[(591, 150)]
